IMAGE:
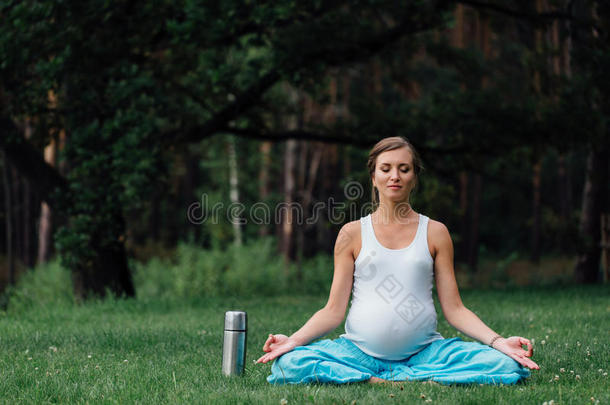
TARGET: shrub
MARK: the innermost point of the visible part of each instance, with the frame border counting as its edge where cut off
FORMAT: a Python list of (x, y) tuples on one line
[(255, 269), (251, 269), (47, 285), (317, 274)]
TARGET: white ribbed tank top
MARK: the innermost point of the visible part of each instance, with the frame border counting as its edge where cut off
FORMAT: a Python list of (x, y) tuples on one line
[(392, 314)]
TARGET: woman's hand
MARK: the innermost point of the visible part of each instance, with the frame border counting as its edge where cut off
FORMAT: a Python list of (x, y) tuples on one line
[(275, 346), (512, 347)]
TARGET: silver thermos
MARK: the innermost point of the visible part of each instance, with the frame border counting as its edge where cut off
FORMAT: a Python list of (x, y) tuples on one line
[(234, 345)]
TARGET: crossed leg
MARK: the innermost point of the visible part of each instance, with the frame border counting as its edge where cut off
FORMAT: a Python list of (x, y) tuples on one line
[(446, 361)]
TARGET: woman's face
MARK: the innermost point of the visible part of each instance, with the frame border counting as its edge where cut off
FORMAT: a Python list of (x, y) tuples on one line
[(394, 176)]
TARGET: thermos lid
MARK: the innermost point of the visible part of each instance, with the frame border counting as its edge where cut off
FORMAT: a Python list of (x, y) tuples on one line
[(235, 320)]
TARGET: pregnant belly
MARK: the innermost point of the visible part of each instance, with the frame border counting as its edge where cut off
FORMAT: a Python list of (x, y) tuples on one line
[(389, 332)]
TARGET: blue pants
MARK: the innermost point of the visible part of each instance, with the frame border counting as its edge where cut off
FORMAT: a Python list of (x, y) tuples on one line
[(447, 361)]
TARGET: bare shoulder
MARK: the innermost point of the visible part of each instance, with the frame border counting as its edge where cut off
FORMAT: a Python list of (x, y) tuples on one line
[(348, 239), (437, 228), (438, 237)]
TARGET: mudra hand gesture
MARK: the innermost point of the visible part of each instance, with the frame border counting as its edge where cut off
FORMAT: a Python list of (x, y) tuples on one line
[(513, 348), (275, 346)]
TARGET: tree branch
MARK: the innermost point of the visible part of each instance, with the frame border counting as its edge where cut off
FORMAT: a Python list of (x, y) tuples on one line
[(219, 121), (350, 53), (299, 134), (336, 138), (535, 18), (30, 163), (256, 28), (368, 142)]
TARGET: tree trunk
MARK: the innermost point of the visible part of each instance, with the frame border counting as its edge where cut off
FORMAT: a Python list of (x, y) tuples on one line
[(605, 245), (309, 162), (189, 183), (457, 34), (263, 180), (312, 176), (17, 206), (330, 194), (458, 40), (109, 272), (287, 227), (44, 233), (562, 197), (377, 83), (27, 258), (535, 241), (300, 227), (484, 42), (8, 220), (344, 112), (537, 164), (594, 200), (26, 212), (288, 219), (475, 219), (462, 251), (234, 190), (472, 208)]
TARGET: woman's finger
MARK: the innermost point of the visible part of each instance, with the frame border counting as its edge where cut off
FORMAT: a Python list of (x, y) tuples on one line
[(533, 364), (530, 348), (266, 358), (524, 361), (267, 345)]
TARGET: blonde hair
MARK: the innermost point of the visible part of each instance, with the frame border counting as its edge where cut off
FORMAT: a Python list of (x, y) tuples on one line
[(384, 145)]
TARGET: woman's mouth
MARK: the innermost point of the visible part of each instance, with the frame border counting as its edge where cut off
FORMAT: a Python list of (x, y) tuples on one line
[(394, 187)]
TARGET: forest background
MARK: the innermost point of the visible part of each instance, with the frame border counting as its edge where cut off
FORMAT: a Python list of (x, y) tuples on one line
[(177, 148)]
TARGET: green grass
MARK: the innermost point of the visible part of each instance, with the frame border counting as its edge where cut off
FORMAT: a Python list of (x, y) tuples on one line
[(118, 351)]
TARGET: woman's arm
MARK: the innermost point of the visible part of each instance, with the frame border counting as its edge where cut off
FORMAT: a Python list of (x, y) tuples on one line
[(329, 317), (454, 310)]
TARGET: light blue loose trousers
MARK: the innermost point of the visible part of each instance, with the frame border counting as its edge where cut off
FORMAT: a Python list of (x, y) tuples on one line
[(447, 361)]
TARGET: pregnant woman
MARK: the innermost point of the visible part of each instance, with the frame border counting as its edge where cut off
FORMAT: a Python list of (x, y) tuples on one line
[(388, 261)]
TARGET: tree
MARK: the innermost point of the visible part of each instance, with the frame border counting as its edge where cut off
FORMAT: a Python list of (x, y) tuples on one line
[(132, 79)]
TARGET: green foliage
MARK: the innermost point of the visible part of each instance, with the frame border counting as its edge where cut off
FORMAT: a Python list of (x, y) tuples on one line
[(499, 274), (47, 285), (133, 80), (254, 269), (250, 269), (317, 275)]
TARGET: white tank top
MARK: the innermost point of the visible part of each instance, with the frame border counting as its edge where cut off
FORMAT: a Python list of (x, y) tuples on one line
[(392, 314)]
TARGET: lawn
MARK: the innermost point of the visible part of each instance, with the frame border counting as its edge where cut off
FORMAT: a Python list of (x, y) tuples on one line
[(129, 351)]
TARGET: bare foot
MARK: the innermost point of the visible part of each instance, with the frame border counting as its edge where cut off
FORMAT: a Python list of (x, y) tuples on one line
[(430, 382), (377, 380)]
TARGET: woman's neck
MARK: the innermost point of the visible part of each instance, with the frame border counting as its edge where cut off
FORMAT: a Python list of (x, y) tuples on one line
[(394, 212)]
